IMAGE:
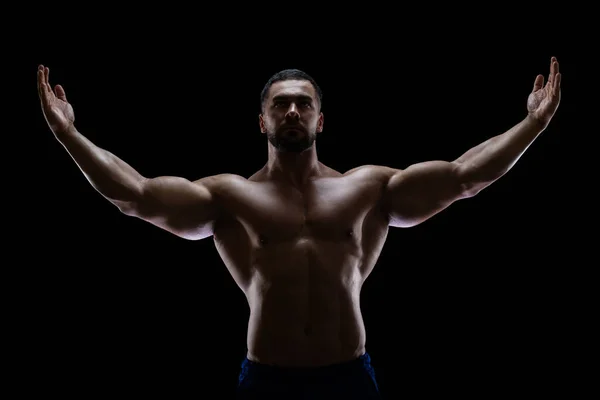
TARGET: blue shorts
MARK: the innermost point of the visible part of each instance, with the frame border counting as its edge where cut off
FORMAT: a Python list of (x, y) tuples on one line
[(348, 381)]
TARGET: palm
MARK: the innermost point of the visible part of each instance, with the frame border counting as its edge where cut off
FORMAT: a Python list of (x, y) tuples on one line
[(544, 99), (57, 110)]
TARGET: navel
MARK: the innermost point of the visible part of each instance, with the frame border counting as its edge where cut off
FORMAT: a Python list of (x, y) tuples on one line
[(262, 239), (307, 330)]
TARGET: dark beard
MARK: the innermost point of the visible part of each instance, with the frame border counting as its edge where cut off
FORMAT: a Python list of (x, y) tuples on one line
[(288, 144)]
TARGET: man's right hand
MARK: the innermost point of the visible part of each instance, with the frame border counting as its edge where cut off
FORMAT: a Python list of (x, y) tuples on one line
[(57, 110)]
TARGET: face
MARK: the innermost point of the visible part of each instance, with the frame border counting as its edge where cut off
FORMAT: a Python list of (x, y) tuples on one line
[(291, 118)]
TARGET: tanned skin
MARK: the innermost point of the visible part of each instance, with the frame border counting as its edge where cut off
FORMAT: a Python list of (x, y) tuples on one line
[(300, 238)]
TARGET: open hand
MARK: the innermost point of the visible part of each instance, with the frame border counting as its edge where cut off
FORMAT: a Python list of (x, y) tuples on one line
[(57, 110), (544, 99)]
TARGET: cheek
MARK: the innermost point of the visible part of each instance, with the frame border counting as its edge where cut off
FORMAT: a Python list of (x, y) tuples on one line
[(268, 125), (315, 123)]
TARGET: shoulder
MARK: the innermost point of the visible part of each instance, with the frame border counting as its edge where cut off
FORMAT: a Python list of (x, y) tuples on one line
[(220, 179), (371, 172), (221, 183)]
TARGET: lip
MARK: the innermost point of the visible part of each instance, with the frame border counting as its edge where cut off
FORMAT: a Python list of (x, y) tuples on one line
[(293, 129)]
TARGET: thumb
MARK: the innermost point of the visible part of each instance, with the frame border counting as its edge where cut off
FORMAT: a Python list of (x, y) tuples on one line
[(60, 93), (539, 82)]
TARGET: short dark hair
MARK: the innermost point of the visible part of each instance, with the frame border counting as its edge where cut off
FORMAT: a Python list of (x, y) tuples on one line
[(285, 75)]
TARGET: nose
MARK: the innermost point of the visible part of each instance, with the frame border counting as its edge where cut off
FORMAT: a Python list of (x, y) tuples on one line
[(292, 112)]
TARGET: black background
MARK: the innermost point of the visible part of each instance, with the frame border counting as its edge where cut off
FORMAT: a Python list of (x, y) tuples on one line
[(482, 299)]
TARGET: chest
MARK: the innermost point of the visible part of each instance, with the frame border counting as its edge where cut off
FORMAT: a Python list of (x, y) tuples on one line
[(330, 208)]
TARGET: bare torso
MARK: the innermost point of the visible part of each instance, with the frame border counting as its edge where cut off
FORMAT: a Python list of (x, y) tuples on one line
[(301, 256)]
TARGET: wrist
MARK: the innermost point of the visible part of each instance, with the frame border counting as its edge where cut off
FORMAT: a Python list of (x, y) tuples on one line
[(536, 122), (62, 134)]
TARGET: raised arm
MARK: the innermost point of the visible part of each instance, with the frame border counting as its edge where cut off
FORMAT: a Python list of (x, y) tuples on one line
[(419, 192), (184, 208)]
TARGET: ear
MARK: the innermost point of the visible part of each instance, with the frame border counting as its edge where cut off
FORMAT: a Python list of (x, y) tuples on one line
[(320, 123), (261, 123)]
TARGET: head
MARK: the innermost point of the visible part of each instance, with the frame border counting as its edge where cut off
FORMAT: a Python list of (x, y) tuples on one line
[(291, 113)]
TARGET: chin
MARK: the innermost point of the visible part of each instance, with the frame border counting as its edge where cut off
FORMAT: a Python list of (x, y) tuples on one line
[(287, 143), (297, 147)]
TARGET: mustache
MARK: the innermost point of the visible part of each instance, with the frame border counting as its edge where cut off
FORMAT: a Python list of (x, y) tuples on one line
[(295, 127)]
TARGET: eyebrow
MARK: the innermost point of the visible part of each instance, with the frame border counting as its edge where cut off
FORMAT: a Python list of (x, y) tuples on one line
[(292, 96)]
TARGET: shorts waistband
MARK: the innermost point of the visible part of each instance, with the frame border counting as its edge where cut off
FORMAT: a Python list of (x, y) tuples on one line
[(361, 362)]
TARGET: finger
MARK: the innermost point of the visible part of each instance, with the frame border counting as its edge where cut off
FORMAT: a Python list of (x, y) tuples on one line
[(552, 79), (47, 73), (42, 87), (539, 83), (60, 93), (554, 67), (40, 77), (556, 87), (553, 72)]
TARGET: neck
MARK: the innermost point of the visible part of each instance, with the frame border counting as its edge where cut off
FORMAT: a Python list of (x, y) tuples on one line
[(295, 168)]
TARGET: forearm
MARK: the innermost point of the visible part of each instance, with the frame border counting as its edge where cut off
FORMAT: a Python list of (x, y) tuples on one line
[(109, 175), (493, 158)]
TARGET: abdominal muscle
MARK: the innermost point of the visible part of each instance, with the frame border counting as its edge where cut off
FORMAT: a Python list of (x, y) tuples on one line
[(304, 304)]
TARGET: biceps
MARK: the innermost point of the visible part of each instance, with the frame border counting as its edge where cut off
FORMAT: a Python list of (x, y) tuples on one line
[(421, 191), (175, 204)]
